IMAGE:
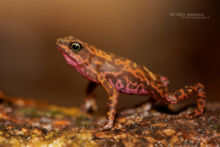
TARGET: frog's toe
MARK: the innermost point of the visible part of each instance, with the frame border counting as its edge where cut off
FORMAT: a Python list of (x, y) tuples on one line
[(89, 105), (194, 114), (107, 126)]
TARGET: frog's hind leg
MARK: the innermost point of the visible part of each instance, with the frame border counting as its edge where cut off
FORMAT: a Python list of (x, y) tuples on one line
[(89, 101), (179, 95)]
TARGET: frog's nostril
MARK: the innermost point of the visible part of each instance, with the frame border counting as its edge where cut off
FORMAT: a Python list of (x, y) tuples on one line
[(59, 41)]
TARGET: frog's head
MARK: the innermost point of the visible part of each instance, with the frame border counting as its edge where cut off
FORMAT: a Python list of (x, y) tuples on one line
[(74, 50)]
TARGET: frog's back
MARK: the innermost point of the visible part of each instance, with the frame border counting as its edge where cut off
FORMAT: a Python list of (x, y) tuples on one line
[(122, 73)]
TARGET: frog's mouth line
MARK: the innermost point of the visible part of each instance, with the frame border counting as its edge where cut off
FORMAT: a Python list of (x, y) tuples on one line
[(59, 48)]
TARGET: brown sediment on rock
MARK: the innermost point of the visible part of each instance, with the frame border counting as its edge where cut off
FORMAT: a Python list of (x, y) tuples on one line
[(26, 122)]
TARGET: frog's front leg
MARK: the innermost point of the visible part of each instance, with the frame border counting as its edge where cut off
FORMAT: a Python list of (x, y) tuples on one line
[(112, 102), (89, 101)]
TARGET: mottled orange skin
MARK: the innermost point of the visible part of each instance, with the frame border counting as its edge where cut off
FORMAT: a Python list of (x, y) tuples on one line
[(121, 75)]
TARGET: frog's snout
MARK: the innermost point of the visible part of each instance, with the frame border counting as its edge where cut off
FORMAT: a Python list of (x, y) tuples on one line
[(59, 41)]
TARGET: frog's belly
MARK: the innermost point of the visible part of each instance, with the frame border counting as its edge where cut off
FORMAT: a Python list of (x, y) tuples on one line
[(129, 88)]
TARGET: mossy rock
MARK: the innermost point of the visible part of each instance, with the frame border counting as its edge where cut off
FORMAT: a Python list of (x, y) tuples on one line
[(25, 122)]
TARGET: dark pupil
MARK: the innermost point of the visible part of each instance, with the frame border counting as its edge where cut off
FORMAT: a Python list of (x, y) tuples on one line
[(75, 46)]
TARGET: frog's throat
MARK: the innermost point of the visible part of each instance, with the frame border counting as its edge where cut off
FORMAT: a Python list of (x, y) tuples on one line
[(79, 68), (73, 63)]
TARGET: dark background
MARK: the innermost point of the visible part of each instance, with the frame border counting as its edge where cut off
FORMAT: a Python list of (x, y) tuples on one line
[(186, 50)]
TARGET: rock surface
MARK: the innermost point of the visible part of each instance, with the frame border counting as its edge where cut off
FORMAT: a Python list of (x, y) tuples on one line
[(26, 122)]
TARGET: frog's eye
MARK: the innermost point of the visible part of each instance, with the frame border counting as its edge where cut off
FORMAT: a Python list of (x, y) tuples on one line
[(76, 47)]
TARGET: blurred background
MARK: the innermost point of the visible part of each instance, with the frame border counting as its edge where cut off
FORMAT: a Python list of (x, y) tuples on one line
[(179, 39)]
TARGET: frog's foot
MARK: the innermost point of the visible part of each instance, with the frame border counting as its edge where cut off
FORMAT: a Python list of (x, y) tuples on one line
[(107, 126), (194, 113), (89, 104)]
